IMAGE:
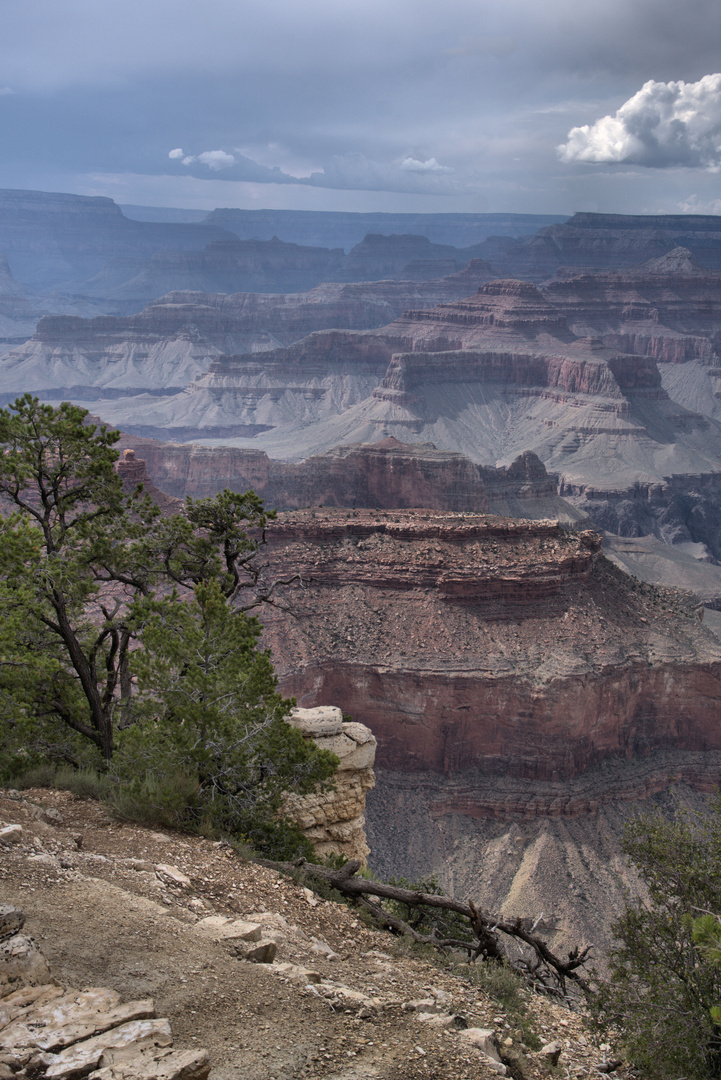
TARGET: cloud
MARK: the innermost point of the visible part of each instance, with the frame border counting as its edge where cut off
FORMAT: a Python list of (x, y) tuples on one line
[(664, 124), (351, 172), (216, 159), (411, 164)]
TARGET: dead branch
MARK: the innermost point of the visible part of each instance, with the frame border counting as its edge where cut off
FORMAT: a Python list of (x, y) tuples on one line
[(485, 926)]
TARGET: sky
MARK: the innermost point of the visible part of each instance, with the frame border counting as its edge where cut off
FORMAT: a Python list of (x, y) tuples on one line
[(366, 105)]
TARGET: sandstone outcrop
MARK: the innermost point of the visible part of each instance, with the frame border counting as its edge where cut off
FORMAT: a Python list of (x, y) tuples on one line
[(484, 646), (133, 472), (334, 821)]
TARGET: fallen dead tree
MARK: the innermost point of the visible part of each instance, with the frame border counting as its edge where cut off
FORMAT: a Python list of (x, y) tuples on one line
[(543, 969)]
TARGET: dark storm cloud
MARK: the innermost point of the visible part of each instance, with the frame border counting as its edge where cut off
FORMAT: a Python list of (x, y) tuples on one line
[(462, 99)]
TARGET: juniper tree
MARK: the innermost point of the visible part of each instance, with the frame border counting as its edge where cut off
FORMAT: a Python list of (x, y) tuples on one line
[(95, 581)]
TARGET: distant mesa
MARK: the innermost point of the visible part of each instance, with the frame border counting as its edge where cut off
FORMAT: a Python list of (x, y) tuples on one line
[(386, 474)]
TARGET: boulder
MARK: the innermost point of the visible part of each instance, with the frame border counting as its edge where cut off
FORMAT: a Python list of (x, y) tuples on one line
[(21, 964)]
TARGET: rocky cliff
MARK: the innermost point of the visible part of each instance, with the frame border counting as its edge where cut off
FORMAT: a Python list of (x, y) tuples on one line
[(473, 644), (528, 698), (334, 821), (174, 339), (604, 241), (55, 240), (387, 474), (274, 266)]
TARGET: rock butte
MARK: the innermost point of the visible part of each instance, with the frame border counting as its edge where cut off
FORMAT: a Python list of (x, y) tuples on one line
[(486, 646), (387, 474), (334, 821)]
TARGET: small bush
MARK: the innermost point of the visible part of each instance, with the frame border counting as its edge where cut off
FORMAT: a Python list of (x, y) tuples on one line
[(506, 987), (155, 800), (38, 776), (85, 783)]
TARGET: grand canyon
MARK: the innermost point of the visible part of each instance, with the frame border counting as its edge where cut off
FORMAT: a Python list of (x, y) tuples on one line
[(497, 459)]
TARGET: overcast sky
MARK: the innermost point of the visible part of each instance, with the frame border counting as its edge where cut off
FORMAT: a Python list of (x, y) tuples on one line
[(479, 105)]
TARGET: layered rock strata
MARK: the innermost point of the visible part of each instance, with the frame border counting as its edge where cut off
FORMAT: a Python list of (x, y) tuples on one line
[(174, 339), (274, 266), (605, 241), (482, 646), (334, 821), (387, 474), (54, 240)]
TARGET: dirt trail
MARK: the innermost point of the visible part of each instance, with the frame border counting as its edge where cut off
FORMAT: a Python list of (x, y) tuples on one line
[(105, 916)]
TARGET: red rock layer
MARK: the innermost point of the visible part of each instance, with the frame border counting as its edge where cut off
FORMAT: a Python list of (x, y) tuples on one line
[(479, 644), (386, 474)]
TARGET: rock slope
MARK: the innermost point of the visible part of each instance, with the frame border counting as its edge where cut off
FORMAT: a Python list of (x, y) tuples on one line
[(339, 1001), (175, 338)]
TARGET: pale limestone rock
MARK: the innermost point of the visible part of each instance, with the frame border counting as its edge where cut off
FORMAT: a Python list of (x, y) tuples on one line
[(137, 864), (298, 974), (18, 1003), (21, 964), (153, 1064), (550, 1053), (12, 920), (483, 1039), (171, 875), (492, 1064), (320, 722), (11, 834), (261, 952), (82, 1057), (321, 948), (72, 1018), (334, 821), (219, 928), (435, 1020)]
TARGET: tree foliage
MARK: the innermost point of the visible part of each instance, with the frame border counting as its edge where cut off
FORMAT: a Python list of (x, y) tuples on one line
[(125, 635), (665, 982)]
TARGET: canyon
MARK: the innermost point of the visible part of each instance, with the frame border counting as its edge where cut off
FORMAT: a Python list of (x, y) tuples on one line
[(528, 697)]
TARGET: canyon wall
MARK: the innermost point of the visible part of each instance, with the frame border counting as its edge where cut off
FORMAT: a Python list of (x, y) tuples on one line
[(469, 643), (386, 474)]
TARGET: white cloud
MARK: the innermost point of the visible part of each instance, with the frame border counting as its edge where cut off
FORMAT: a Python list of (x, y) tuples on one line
[(664, 124), (411, 164), (216, 159), (176, 154)]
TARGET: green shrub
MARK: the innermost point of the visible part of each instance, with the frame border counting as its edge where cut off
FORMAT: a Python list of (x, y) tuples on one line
[(664, 984)]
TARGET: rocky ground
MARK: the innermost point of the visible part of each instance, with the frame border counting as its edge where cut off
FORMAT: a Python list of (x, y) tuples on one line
[(121, 906)]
